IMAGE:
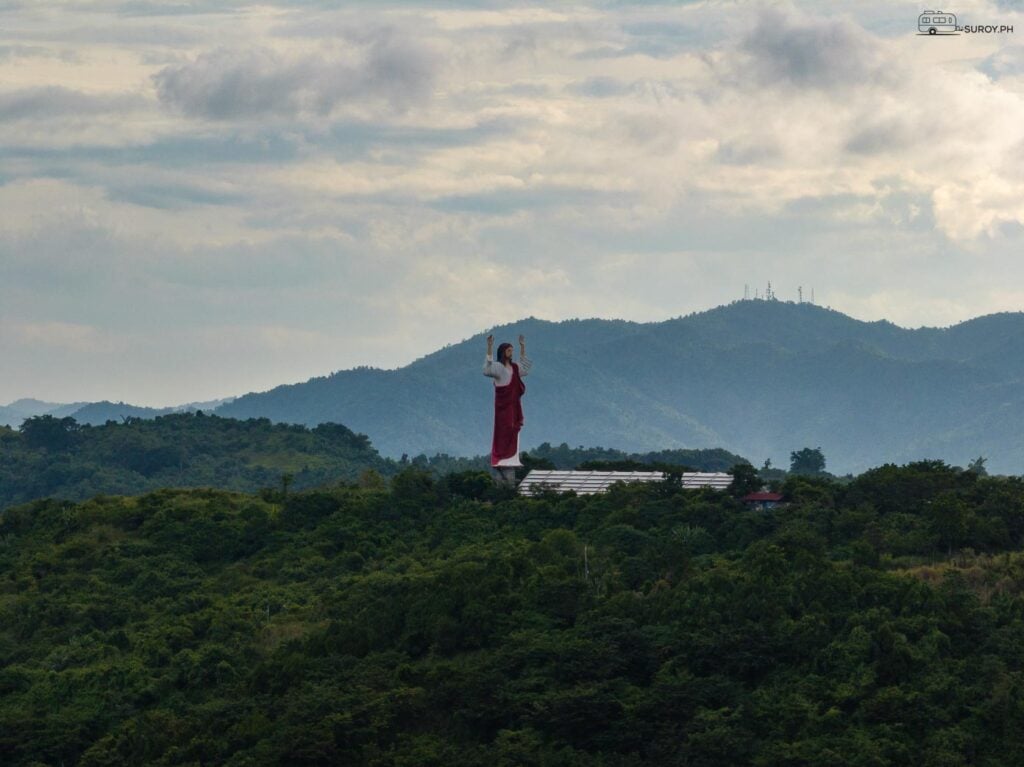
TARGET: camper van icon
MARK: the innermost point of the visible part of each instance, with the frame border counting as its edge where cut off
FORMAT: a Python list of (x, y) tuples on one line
[(936, 23)]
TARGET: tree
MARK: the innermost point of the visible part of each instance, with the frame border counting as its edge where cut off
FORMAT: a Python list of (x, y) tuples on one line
[(745, 479), (951, 520), (807, 461), (49, 432), (286, 481), (371, 479), (530, 463), (977, 466)]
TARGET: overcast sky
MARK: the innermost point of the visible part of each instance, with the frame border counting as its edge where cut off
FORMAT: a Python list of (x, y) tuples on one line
[(204, 198)]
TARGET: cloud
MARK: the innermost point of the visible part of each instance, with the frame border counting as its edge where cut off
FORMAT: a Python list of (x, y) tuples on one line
[(149, 8), (747, 151), (977, 206), (276, 267), (261, 82), (170, 196), (226, 84), (885, 135), (601, 87), (55, 101), (262, 339), (10, 52), (249, 148), (509, 200), (821, 53), (326, 186), (65, 336), (20, 53), (1005, 62)]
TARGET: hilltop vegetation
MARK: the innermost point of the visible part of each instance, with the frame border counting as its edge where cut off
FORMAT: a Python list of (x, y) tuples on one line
[(565, 457), (440, 622), (58, 457)]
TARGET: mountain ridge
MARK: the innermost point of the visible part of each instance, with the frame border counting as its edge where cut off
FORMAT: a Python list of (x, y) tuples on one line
[(760, 378), (757, 377)]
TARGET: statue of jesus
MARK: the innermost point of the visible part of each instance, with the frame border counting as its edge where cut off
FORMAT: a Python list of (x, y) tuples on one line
[(508, 410)]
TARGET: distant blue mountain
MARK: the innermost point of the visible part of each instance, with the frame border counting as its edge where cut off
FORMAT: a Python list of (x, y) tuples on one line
[(759, 378), (94, 413), (19, 410), (97, 413)]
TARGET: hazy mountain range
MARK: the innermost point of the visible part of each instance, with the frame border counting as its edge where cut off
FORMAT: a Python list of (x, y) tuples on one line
[(19, 410), (759, 378), (94, 413)]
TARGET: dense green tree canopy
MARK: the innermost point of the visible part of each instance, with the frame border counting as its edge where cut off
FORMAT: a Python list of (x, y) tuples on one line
[(442, 621), (48, 432), (52, 456)]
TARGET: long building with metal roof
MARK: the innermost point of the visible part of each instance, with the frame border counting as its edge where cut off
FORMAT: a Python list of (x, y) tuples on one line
[(591, 482)]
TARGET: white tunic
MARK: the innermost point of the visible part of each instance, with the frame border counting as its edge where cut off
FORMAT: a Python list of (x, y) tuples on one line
[(502, 377)]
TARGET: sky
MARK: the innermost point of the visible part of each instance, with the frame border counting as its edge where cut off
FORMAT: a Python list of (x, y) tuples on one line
[(202, 198)]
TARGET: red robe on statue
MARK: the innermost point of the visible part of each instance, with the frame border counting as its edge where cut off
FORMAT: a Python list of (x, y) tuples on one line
[(508, 417)]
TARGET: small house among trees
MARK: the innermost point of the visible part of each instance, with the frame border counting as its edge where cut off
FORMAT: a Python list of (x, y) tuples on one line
[(762, 501)]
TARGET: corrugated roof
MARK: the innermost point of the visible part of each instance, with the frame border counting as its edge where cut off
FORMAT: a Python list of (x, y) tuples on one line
[(590, 482)]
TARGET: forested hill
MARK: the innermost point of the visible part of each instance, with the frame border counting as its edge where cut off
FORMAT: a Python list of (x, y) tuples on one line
[(439, 623), (58, 457), (759, 378)]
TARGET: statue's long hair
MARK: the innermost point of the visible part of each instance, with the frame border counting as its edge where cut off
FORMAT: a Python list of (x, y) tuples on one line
[(501, 352)]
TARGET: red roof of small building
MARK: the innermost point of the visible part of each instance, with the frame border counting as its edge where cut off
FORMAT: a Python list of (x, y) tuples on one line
[(756, 497)]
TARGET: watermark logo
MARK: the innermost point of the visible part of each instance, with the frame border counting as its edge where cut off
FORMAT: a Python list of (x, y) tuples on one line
[(945, 23), (937, 23)]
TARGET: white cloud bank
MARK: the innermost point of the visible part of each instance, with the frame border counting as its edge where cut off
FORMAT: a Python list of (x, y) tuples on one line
[(259, 82), (324, 188)]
